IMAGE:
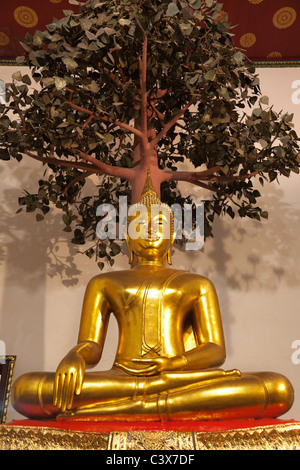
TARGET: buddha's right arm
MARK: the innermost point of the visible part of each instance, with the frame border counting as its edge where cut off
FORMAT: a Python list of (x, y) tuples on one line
[(94, 321), (70, 373), (93, 326)]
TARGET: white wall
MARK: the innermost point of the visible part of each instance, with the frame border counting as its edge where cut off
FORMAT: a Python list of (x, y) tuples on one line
[(254, 266)]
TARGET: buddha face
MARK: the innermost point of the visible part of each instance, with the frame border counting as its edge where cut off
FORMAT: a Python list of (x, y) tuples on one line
[(149, 233)]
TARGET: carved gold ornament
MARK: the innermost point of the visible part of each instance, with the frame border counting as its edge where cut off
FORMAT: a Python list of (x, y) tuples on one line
[(274, 437)]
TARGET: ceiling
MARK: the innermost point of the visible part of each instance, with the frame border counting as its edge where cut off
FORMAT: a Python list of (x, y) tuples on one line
[(267, 30)]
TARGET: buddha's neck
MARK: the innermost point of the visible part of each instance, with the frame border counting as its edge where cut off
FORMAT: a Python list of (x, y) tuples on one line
[(144, 262)]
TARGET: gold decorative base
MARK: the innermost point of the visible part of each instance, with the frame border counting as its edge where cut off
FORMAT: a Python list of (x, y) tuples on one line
[(275, 437)]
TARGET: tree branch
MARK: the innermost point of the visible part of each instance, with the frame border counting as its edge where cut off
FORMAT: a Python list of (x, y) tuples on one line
[(105, 119), (188, 176), (228, 179), (110, 74), (170, 124), (121, 172), (83, 176), (143, 85), (58, 162), (206, 175)]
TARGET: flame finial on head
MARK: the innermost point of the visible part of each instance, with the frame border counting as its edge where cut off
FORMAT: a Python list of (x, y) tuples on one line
[(150, 198), (149, 195)]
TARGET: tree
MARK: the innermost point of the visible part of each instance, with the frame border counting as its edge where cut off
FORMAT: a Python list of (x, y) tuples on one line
[(126, 85)]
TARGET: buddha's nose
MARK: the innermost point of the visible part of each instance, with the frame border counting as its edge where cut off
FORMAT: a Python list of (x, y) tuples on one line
[(152, 233)]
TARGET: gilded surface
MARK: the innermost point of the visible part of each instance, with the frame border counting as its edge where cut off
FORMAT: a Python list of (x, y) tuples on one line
[(36, 438), (158, 440), (281, 437), (6, 377), (278, 437), (170, 349)]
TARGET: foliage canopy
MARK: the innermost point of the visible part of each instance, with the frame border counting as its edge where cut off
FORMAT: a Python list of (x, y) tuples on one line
[(120, 86)]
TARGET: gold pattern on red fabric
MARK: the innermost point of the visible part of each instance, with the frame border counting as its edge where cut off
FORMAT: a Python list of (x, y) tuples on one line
[(26, 16), (4, 39), (248, 40), (284, 18), (275, 25), (255, 2)]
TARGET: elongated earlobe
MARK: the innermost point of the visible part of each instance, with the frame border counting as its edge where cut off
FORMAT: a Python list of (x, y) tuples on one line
[(130, 255), (130, 252), (169, 254)]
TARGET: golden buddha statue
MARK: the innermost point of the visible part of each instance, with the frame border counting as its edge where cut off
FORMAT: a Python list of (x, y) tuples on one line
[(170, 347)]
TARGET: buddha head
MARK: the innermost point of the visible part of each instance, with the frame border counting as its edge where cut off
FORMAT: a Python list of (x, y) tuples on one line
[(150, 227)]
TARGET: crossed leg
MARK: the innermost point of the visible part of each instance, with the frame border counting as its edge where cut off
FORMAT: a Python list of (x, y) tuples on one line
[(115, 395)]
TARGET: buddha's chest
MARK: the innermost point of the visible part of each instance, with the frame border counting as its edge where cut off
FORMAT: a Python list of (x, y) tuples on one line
[(151, 315)]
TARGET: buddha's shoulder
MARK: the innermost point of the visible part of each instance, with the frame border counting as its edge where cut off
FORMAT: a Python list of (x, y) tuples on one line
[(188, 278), (111, 277), (124, 277)]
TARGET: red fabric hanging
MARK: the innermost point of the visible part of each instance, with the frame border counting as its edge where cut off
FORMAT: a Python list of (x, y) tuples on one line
[(267, 30)]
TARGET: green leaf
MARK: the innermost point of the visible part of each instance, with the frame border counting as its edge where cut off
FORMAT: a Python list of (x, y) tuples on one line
[(48, 81), (56, 37), (78, 237), (172, 9), (257, 112), (239, 56), (26, 79), (115, 249), (124, 22), (195, 3), (17, 76), (93, 87), (60, 83), (70, 62), (230, 212), (288, 117), (210, 75), (108, 137), (4, 154), (285, 139), (264, 100), (263, 143), (67, 219), (20, 59)]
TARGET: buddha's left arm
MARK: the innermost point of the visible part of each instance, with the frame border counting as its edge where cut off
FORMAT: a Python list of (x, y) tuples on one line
[(208, 331)]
